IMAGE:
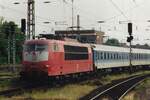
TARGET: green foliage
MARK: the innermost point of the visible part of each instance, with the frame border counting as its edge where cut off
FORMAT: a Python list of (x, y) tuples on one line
[(5, 29), (112, 42)]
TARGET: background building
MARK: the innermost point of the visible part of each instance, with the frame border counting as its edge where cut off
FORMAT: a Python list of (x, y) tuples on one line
[(84, 36)]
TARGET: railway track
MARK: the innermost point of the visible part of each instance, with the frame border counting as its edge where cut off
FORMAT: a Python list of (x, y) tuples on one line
[(25, 86), (116, 90), (20, 89)]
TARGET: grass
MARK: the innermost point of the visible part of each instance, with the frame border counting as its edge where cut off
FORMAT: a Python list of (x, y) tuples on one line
[(6, 65), (130, 96), (6, 84), (7, 80), (71, 92)]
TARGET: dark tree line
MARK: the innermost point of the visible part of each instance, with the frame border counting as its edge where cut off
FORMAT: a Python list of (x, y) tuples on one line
[(4, 30), (112, 42)]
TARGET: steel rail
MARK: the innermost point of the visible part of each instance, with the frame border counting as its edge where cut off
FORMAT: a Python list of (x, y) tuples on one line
[(133, 81)]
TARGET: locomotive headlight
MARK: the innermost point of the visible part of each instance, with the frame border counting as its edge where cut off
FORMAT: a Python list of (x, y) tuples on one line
[(47, 65)]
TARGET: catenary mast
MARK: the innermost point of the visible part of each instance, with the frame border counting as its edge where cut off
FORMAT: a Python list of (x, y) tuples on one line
[(31, 20)]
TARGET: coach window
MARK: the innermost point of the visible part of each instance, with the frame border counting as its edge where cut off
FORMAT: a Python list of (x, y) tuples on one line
[(138, 56), (117, 56), (126, 56), (107, 55), (112, 56), (98, 55), (101, 55), (95, 55), (135, 56), (122, 55), (145, 56), (104, 56)]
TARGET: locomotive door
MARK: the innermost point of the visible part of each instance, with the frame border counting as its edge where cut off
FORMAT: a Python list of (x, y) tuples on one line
[(57, 57)]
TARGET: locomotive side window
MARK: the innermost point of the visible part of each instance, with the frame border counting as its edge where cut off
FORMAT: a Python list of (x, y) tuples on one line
[(55, 47), (75, 52)]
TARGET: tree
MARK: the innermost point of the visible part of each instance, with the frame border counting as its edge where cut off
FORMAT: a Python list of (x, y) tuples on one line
[(112, 42), (4, 30)]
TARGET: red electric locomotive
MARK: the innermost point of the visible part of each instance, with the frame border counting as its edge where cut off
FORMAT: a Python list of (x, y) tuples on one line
[(55, 58)]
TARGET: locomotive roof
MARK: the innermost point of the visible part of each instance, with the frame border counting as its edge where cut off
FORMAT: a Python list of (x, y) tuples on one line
[(47, 41)]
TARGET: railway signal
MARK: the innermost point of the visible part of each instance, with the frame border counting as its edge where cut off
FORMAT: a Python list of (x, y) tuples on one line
[(129, 39), (23, 26), (130, 28)]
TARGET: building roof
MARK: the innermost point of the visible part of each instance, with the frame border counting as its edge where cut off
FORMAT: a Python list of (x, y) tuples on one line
[(75, 32)]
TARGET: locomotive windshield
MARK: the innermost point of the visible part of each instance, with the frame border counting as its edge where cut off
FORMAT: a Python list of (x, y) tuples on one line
[(35, 47)]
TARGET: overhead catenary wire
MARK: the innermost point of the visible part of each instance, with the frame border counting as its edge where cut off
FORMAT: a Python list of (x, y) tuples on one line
[(85, 13), (116, 6)]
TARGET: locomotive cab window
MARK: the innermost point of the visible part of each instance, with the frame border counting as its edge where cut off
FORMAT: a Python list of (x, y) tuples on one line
[(35, 47), (76, 52)]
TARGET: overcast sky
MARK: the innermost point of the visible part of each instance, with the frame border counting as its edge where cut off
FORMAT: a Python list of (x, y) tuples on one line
[(90, 11)]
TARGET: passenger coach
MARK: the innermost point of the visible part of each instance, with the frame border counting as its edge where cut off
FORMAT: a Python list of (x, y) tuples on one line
[(114, 57)]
